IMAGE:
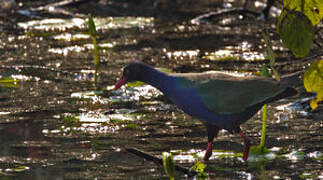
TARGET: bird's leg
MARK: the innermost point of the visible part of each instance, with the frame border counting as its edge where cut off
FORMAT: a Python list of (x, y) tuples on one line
[(212, 131), (208, 151), (247, 145)]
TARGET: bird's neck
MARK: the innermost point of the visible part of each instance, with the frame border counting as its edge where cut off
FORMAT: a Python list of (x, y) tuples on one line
[(158, 79)]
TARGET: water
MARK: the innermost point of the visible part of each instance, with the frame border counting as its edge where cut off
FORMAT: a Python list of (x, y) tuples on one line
[(55, 124)]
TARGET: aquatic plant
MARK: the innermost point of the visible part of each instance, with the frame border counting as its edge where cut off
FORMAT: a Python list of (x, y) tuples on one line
[(93, 33)]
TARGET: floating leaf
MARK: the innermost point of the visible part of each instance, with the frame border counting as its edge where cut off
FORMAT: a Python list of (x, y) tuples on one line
[(295, 155), (297, 33), (8, 82), (71, 119), (20, 168), (199, 167), (313, 82), (313, 9), (260, 153), (258, 150), (135, 84), (169, 165)]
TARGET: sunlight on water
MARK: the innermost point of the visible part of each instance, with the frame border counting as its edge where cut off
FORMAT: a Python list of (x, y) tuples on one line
[(193, 154), (315, 154), (102, 46), (91, 95), (137, 93), (91, 157), (245, 175), (123, 22), (259, 4), (240, 52), (257, 158), (85, 128), (98, 117), (71, 37), (52, 24), (24, 77), (76, 48), (299, 108), (294, 156), (93, 116), (66, 50), (226, 21), (94, 122), (178, 55), (15, 169), (56, 24)]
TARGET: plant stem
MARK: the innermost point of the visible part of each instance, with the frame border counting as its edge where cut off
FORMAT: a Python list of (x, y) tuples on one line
[(92, 32), (96, 59), (264, 122)]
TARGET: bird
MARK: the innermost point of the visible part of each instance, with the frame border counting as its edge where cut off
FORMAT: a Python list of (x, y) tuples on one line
[(217, 99)]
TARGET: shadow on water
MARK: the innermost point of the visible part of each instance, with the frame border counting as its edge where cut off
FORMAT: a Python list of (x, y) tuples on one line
[(55, 124)]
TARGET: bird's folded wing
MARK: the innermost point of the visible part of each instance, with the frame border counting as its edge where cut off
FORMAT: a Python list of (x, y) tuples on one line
[(231, 96)]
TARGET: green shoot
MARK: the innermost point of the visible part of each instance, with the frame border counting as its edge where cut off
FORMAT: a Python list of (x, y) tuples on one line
[(168, 163), (264, 123), (261, 149), (93, 33), (264, 73)]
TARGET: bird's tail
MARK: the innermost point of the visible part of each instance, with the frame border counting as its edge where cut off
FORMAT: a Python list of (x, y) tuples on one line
[(294, 79)]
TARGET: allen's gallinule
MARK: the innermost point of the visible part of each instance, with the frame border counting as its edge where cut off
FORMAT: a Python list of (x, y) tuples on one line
[(219, 100)]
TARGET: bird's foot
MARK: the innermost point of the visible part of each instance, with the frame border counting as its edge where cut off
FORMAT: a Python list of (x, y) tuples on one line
[(247, 146), (246, 153), (208, 152)]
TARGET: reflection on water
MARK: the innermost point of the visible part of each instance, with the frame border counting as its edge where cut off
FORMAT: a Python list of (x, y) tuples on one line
[(62, 25), (54, 123)]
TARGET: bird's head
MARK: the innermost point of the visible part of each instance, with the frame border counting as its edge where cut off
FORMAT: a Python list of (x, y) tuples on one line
[(134, 71)]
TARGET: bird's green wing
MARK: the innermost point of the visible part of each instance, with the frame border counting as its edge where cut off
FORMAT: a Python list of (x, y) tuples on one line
[(222, 93), (227, 96)]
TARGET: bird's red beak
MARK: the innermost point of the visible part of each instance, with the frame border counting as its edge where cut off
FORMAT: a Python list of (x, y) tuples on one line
[(120, 82)]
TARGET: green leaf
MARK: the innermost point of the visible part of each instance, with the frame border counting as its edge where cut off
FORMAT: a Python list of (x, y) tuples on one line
[(9, 82), (199, 167), (264, 127), (168, 163), (91, 26), (264, 71), (313, 82), (313, 9), (297, 33), (280, 19)]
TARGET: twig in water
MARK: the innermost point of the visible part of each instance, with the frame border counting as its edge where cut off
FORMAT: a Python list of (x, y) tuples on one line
[(159, 161)]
